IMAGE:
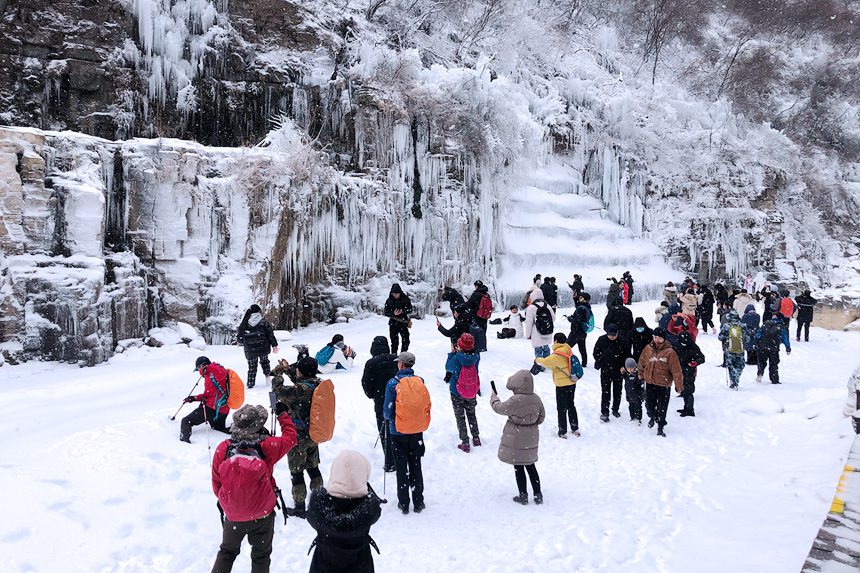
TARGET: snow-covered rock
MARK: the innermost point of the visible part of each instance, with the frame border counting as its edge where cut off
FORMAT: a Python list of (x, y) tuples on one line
[(762, 405)]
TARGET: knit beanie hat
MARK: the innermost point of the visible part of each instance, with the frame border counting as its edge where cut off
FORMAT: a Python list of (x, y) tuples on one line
[(630, 364), (308, 366), (350, 472), (248, 422), (660, 331), (466, 342)]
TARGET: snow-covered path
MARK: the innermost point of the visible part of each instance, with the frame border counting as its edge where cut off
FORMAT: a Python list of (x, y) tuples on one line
[(93, 477)]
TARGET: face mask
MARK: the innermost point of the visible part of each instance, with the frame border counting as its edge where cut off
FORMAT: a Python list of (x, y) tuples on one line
[(640, 329)]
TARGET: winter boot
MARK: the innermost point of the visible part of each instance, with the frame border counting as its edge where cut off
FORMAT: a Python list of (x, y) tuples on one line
[(616, 413), (660, 431), (688, 413), (758, 379), (464, 447), (681, 411), (250, 384), (651, 422), (404, 508), (538, 498), (316, 483), (562, 435), (604, 418), (522, 499), (186, 439), (476, 441), (576, 433), (297, 511), (419, 507)]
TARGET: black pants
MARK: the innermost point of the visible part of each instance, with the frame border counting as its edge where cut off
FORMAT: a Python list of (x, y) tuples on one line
[(384, 439), (769, 355), (707, 320), (803, 325), (200, 415), (260, 533), (689, 389), (635, 391), (408, 450), (752, 357), (610, 384), (398, 329), (657, 402), (479, 331), (252, 368), (520, 473), (465, 409), (564, 403), (580, 344)]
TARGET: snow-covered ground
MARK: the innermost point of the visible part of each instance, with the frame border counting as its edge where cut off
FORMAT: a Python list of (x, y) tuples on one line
[(93, 477)]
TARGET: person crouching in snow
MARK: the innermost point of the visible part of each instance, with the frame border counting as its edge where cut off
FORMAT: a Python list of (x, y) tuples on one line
[(690, 356), (213, 407), (566, 370), (335, 355), (243, 483), (634, 389), (515, 324), (342, 515), (257, 338), (520, 438), (464, 384)]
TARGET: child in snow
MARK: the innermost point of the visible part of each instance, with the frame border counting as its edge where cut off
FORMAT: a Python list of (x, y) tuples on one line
[(634, 388), (520, 438), (335, 355), (566, 370), (515, 324), (464, 384), (342, 515)]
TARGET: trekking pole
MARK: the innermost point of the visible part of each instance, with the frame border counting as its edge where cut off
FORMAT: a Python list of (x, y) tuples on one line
[(384, 455), (272, 402), (208, 443), (173, 417)]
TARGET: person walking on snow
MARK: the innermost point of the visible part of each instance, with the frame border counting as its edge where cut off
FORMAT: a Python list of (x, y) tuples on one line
[(566, 370), (670, 293), (627, 286), (751, 322), (659, 367), (706, 309), (660, 312), (639, 338), (342, 515), (408, 448), (576, 287), (213, 407), (580, 321), (540, 342), (521, 436), (464, 384), (733, 335), (622, 318), (305, 457), (634, 389), (689, 356), (377, 372), (398, 307), (610, 352), (805, 309), (769, 337), (245, 487), (689, 302), (256, 336)]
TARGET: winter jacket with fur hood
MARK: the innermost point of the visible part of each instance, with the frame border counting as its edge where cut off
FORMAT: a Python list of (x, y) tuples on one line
[(741, 302), (689, 303), (659, 365), (525, 412), (529, 330)]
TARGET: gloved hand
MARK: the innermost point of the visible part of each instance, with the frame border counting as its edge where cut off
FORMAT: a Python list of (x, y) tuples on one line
[(448, 376), (693, 363), (280, 408), (189, 399)]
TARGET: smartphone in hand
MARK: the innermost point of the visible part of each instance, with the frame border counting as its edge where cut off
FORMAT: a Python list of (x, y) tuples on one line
[(493, 386)]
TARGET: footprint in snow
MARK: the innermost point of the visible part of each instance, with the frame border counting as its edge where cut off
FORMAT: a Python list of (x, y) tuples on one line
[(15, 536)]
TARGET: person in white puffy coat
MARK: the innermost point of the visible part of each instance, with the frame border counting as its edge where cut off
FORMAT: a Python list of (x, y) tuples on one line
[(540, 342), (853, 401)]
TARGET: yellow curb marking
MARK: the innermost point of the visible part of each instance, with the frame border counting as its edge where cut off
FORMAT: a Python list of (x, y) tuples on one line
[(838, 505)]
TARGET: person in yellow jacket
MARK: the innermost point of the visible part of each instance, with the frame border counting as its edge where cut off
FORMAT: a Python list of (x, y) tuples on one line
[(562, 362)]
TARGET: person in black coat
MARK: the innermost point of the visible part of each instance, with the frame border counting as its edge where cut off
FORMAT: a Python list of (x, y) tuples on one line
[(805, 309), (462, 322), (398, 307), (255, 334), (690, 356), (480, 333), (614, 293), (381, 368), (610, 352), (578, 323), (342, 514), (577, 287), (640, 338), (706, 309), (620, 316)]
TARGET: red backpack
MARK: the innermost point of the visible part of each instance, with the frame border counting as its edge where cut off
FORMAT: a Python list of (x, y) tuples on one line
[(246, 482), (485, 307), (468, 382)]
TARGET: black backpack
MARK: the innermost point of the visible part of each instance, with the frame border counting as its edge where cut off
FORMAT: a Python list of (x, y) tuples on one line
[(543, 319)]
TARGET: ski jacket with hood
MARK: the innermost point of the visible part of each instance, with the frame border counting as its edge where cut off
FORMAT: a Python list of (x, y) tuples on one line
[(639, 340), (214, 391), (462, 322), (455, 363), (379, 369), (404, 303), (529, 330), (559, 362), (620, 316), (689, 354), (525, 412), (240, 500), (578, 320), (659, 365), (805, 307), (256, 337), (609, 355)]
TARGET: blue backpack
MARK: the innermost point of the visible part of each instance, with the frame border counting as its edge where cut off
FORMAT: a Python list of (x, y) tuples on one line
[(588, 326), (325, 354), (574, 367)]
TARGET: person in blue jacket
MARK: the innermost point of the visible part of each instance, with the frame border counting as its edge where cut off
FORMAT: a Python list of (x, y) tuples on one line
[(771, 334), (750, 321), (463, 399)]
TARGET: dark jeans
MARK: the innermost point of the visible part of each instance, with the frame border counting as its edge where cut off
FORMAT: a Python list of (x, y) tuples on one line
[(707, 320), (201, 415), (465, 409), (398, 329), (479, 331), (564, 397), (657, 402), (520, 473), (635, 391), (689, 389), (803, 325), (610, 383), (408, 450), (260, 533), (383, 434), (580, 344), (771, 355), (252, 368)]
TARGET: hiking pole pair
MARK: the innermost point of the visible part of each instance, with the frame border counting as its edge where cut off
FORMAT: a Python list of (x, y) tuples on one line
[(173, 417), (273, 402)]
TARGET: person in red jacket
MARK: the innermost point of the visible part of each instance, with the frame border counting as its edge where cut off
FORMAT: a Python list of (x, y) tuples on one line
[(245, 487), (213, 401)]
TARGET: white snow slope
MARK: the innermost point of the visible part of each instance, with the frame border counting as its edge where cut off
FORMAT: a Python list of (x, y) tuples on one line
[(93, 477)]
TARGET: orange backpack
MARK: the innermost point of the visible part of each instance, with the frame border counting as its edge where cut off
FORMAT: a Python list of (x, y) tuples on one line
[(321, 423), (412, 406), (235, 390), (786, 307)]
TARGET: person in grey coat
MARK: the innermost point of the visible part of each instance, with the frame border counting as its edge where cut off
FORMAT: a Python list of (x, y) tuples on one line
[(519, 443)]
